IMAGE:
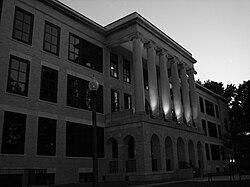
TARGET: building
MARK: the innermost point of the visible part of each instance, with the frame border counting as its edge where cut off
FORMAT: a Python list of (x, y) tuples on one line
[(154, 121)]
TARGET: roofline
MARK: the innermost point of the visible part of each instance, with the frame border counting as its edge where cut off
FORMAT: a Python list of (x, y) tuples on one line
[(210, 92), (74, 14), (137, 18)]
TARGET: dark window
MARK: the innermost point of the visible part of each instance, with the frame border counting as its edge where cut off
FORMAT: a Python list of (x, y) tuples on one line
[(204, 126), (201, 104), (113, 65), (215, 151), (46, 143), (222, 153), (78, 94), (212, 129), (79, 140), (126, 71), (85, 53), (145, 78), (217, 111), (209, 108), (219, 131), (48, 89), (114, 149), (18, 78), (131, 148), (51, 38), (23, 26), (1, 6), (207, 151), (13, 133), (114, 101), (226, 124), (127, 101)]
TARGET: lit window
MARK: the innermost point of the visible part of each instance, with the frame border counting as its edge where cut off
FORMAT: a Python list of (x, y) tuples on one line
[(114, 100), (113, 65), (127, 101), (126, 71)]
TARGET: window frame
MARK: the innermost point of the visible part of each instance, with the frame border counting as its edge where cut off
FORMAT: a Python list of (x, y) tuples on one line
[(114, 67), (57, 45), (126, 71), (49, 82), (115, 106), (30, 30), (41, 146), (14, 120), (26, 83), (126, 98)]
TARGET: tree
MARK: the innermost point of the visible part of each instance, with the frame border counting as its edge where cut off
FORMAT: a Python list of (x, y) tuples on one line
[(216, 87)]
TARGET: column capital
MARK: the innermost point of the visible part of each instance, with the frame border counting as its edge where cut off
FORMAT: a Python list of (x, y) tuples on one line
[(182, 65), (162, 52), (174, 59), (150, 44), (137, 35), (191, 71)]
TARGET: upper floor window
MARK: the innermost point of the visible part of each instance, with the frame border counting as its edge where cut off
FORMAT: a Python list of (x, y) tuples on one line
[(207, 151), (217, 111), (201, 104), (85, 53), (126, 71), (204, 126), (145, 78), (48, 90), (114, 65), (51, 38), (209, 108), (23, 26), (78, 94), (46, 143), (212, 129), (127, 101), (13, 138), (1, 5), (114, 100), (18, 77)]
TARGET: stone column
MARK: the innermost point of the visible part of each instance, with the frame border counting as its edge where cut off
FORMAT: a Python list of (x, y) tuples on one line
[(138, 74), (193, 97), (165, 88), (176, 89), (185, 94), (152, 79)]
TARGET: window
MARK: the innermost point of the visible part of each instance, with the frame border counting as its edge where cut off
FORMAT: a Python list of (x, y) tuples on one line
[(215, 152), (23, 26), (79, 140), (217, 111), (126, 71), (48, 90), (204, 126), (145, 78), (51, 38), (212, 129), (13, 133), (127, 101), (207, 151), (201, 104), (1, 6), (209, 108), (226, 124), (46, 143), (78, 94), (18, 78), (85, 53), (219, 131), (113, 65), (114, 100)]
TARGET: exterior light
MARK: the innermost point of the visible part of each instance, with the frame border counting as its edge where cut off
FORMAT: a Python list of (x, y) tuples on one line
[(93, 87), (93, 84)]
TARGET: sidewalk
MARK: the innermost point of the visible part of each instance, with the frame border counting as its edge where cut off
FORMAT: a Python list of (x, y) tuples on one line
[(157, 183)]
